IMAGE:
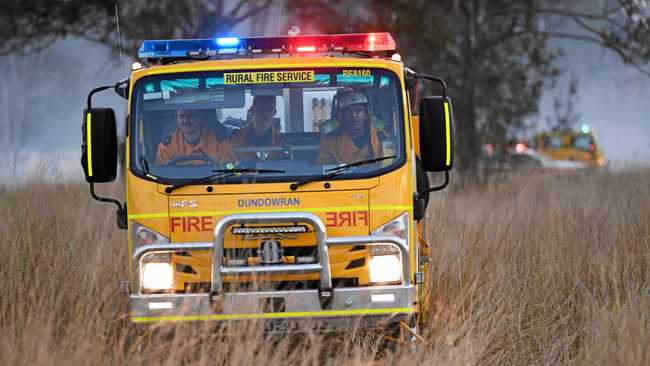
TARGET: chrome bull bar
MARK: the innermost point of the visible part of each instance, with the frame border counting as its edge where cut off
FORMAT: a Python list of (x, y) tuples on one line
[(218, 270), (323, 266)]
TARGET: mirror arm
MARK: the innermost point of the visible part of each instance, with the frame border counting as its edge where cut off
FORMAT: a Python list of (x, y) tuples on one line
[(436, 79), (104, 199), (97, 90), (121, 207), (437, 188)]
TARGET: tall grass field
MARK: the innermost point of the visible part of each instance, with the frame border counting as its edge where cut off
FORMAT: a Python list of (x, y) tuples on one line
[(529, 269)]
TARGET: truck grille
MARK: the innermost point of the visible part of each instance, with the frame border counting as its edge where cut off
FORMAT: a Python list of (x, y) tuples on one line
[(251, 256)]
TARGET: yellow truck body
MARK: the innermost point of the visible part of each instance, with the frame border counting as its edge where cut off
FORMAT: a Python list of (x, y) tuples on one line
[(568, 145), (248, 244)]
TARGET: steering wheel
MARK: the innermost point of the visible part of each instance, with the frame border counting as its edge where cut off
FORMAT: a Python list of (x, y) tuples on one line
[(183, 158)]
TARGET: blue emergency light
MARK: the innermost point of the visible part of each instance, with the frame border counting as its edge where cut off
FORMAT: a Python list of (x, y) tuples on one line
[(227, 42), (188, 48), (154, 50)]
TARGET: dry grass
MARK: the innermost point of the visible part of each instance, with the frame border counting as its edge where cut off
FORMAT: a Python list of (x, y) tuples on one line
[(537, 269)]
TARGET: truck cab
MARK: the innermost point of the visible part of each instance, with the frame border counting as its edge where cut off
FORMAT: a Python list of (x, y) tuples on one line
[(570, 149), (252, 192)]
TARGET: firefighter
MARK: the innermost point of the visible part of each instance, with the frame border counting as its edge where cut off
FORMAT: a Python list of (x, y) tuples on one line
[(260, 131), (192, 137), (357, 138)]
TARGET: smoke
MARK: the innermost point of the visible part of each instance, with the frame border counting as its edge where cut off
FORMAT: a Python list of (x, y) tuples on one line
[(42, 96), (49, 92), (612, 99)]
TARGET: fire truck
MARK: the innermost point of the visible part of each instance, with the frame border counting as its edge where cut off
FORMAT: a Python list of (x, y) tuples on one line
[(272, 231), (557, 150), (569, 149)]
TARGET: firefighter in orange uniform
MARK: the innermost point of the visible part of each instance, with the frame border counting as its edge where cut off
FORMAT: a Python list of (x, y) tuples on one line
[(260, 132), (356, 139), (192, 138)]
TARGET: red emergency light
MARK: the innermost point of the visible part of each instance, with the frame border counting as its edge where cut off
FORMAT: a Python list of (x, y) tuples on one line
[(355, 42), (520, 148), (306, 49)]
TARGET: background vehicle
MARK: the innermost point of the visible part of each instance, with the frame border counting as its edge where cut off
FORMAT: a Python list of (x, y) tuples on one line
[(275, 239), (569, 148), (558, 150)]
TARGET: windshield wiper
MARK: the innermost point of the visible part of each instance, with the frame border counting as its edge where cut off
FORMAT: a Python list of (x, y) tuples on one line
[(220, 174), (333, 172), (145, 164)]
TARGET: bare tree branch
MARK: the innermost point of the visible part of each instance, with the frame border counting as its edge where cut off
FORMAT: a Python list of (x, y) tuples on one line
[(253, 11), (235, 10)]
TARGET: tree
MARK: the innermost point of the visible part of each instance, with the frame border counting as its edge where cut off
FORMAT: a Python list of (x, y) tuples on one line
[(494, 54), (30, 26), (496, 79), (564, 108)]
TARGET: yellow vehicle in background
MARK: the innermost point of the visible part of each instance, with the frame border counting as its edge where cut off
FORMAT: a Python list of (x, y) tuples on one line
[(569, 149), (273, 233)]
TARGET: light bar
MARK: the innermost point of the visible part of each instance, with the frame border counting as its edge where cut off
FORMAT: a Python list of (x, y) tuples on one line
[(209, 47), (269, 230), (188, 48)]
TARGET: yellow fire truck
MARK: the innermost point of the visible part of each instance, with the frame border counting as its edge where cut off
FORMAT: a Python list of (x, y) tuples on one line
[(569, 149), (279, 229)]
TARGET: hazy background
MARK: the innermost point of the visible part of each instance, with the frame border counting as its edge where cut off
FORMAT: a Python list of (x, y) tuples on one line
[(613, 98), (42, 97)]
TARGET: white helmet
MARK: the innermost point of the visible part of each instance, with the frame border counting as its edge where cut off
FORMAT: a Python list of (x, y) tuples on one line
[(351, 98)]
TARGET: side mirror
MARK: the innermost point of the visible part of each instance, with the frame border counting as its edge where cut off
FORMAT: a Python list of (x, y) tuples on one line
[(99, 147), (122, 88), (436, 134)]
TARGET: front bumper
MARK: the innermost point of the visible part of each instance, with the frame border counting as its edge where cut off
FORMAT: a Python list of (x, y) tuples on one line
[(345, 305), (335, 309)]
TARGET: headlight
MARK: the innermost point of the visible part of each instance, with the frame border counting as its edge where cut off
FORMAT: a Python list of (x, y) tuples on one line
[(143, 235), (396, 227), (156, 273), (385, 264), (385, 269)]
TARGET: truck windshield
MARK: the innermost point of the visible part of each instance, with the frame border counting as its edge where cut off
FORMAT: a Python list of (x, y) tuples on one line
[(585, 143), (286, 124), (553, 142)]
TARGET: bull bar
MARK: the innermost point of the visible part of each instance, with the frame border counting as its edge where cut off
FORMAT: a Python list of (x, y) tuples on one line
[(333, 306)]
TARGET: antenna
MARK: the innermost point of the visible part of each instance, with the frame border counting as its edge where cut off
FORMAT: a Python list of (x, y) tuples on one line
[(119, 39), (347, 23), (280, 17)]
